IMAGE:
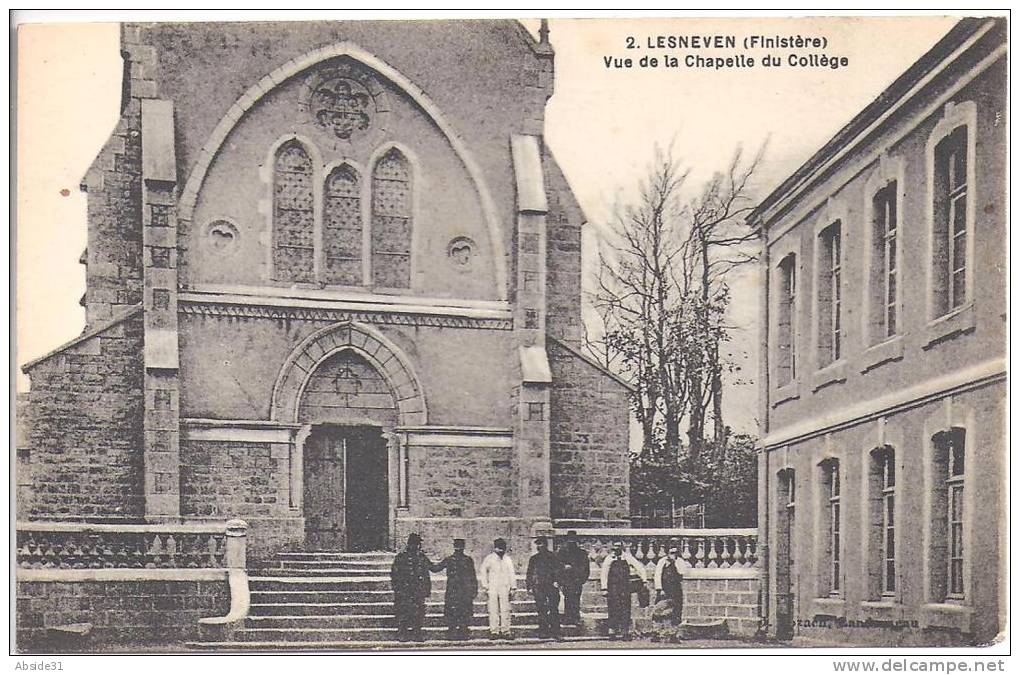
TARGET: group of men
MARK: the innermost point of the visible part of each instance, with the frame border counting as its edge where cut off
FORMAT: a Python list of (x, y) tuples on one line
[(548, 575)]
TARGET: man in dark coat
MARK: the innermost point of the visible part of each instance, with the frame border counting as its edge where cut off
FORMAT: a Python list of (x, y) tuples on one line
[(411, 588), (617, 571), (576, 568), (543, 580), (461, 588), (673, 583)]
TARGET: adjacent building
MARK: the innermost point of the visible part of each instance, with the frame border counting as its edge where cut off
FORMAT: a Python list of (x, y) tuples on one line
[(333, 289), (883, 385)]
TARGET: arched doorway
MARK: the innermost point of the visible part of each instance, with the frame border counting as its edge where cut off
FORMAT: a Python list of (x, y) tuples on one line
[(348, 386), (346, 456)]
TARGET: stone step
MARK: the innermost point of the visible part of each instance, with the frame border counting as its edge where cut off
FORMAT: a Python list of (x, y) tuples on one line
[(430, 644), (347, 556), (369, 621), (335, 583), (329, 635), (380, 607), (324, 571), (305, 595), (380, 564)]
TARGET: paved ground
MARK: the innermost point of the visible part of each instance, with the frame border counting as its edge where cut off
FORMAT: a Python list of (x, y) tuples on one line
[(478, 645)]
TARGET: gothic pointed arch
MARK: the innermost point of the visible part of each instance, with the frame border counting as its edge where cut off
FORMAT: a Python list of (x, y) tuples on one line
[(293, 213), (255, 93), (388, 359), (342, 231), (392, 219)]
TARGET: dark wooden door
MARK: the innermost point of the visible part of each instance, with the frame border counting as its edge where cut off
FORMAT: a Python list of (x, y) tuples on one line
[(324, 491), (367, 494)]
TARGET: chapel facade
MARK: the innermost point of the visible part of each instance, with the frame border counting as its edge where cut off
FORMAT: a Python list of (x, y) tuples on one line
[(333, 289)]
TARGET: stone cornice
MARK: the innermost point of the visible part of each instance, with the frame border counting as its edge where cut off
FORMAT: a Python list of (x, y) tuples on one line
[(255, 307)]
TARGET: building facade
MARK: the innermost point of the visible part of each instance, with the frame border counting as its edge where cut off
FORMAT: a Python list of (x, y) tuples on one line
[(882, 479), (333, 289)]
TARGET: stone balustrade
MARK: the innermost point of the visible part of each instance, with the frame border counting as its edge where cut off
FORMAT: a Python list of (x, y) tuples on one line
[(704, 549), (84, 546)]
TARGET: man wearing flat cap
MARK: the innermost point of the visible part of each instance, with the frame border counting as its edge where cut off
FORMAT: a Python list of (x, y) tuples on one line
[(543, 580), (461, 588)]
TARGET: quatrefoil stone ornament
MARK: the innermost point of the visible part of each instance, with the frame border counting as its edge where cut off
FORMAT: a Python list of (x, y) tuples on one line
[(345, 100)]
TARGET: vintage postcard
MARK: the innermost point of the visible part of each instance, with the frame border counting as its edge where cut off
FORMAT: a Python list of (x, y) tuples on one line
[(381, 333)]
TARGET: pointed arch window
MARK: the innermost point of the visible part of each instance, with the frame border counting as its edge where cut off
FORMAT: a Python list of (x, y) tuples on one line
[(391, 220), (341, 227), (293, 214)]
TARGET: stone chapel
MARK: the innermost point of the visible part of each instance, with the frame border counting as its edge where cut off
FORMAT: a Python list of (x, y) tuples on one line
[(333, 289)]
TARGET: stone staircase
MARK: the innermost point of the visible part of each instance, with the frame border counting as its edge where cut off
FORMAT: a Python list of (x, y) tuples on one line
[(332, 600)]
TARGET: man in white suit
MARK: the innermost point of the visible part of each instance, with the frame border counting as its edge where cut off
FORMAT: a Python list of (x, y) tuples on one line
[(498, 577)]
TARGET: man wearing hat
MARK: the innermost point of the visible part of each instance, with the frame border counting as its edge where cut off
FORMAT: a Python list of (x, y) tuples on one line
[(616, 582), (576, 568), (461, 588), (498, 577), (669, 573), (411, 588), (543, 580)]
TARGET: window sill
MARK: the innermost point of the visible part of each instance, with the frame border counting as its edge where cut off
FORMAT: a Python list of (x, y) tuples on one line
[(882, 353), (834, 607), (946, 615), (882, 610), (788, 392), (961, 320), (834, 373)]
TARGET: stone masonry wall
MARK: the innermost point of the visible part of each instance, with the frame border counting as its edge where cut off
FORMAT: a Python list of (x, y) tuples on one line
[(461, 482), (589, 456), (735, 600), (84, 446), (121, 612), (232, 479), (236, 479), (563, 256), (113, 257)]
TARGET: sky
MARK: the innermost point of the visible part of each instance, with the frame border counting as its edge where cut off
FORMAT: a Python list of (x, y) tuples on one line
[(602, 125)]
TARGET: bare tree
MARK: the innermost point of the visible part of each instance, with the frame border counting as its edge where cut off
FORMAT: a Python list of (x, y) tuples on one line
[(718, 240), (661, 299), (641, 296)]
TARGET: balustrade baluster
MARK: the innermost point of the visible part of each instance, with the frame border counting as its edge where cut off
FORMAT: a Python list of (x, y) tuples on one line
[(699, 556), (738, 551), (685, 551), (712, 557), (724, 557)]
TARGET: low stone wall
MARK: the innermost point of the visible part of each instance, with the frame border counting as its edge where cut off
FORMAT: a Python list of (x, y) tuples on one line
[(123, 607), (714, 594)]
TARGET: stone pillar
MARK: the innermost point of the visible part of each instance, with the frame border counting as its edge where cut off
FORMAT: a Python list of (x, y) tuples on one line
[(532, 404), (159, 299)]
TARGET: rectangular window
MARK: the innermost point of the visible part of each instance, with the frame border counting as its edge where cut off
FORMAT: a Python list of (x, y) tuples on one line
[(888, 522), (830, 300), (946, 544), (884, 287), (954, 489), (536, 412), (949, 238), (786, 358), (834, 533)]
